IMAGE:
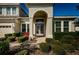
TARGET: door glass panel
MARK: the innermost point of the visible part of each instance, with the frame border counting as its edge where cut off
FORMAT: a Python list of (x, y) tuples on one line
[(42, 28), (39, 28)]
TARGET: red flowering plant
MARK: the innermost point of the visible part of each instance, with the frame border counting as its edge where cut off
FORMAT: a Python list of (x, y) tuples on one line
[(26, 34)]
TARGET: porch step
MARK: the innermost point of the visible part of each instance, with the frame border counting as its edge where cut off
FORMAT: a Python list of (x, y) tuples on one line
[(40, 39)]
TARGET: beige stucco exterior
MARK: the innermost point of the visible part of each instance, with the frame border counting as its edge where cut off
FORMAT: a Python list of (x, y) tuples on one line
[(46, 8), (36, 11)]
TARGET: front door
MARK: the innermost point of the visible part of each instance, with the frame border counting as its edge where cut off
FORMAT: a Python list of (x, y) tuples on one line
[(39, 29)]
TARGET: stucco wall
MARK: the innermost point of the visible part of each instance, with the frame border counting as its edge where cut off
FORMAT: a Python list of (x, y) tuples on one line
[(33, 8)]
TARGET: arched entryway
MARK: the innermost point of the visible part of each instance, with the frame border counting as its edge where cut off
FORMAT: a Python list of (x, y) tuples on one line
[(39, 19)]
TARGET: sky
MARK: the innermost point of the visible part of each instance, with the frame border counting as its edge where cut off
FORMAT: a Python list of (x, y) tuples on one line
[(66, 9), (60, 9)]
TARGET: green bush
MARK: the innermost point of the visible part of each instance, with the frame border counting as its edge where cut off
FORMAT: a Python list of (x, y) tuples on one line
[(4, 47), (14, 34), (57, 42), (11, 39), (8, 35), (2, 39), (21, 39), (59, 35), (44, 47), (52, 41), (75, 43), (23, 52), (67, 39), (49, 40), (68, 47), (17, 34), (58, 49)]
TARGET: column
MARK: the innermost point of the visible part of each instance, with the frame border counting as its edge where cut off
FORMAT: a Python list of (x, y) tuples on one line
[(11, 11), (31, 28), (17, 25), (4, 11), (49, 28), (62, 26), (17, 11), (71, 26)]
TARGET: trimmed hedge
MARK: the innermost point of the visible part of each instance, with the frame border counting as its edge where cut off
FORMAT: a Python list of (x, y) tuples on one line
[(69, 39), (59, 35), (4, 47)]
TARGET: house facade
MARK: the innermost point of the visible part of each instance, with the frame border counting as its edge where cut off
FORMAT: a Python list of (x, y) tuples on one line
[(40, 23)]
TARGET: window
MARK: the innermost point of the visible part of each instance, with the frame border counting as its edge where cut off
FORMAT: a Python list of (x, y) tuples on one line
[(27, 27), (0, 10), (14, 10), (58, 26), (23, 27), (66, 26), (8, 10)]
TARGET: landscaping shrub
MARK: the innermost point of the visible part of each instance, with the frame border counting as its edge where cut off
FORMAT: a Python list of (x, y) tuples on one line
[(15, 50), (75, 43), (58, 49), (11, 39), (26, 34), (18, 34), (76, 35), (25, 44), (59, 35), (4, 47), (67, 39), (21, 39), (2, 39), (52, 41), (14, 34), (49, 40), (45, 47), (8, 35), (22, 52), (68, 47)]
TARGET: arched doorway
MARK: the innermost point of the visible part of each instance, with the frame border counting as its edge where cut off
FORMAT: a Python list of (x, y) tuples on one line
[(40, 18)]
